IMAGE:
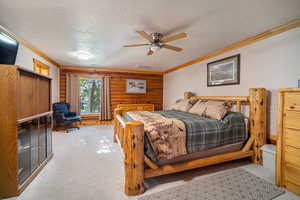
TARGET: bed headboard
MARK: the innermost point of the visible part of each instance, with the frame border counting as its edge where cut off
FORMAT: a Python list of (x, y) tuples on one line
[(257, 102), (238, 100)]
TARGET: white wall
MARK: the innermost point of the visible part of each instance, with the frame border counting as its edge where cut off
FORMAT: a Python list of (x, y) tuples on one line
[(25, 59), (272, 63)]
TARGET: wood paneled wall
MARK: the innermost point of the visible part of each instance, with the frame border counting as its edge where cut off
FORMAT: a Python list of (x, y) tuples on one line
[(154, 93)]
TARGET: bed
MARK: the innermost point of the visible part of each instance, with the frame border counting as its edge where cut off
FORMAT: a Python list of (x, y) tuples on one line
[(215, 145)]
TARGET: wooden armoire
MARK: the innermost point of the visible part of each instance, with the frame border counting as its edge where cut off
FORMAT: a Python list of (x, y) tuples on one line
[(25, 127)]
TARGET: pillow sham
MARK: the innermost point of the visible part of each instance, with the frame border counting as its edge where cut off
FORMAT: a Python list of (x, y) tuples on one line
[(183, 104), (199, 108), (212, 109), (217, 109)]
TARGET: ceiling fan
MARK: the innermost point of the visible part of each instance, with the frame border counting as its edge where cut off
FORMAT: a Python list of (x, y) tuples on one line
[(158, 41)]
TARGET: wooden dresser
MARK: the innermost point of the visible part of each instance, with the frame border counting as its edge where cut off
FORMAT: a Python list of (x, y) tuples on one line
[(25, 127), (128, 107), (288, 142)]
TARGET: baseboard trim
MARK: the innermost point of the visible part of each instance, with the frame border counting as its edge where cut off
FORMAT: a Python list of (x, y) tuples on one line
[(94, 122)]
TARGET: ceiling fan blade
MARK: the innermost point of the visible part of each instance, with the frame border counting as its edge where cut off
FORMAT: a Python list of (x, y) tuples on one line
[(145, 35), (150, 52), (174, 37), (166, 46), (135, 45)]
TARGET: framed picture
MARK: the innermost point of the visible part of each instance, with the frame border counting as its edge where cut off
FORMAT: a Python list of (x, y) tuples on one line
[(224, 72), (136, 86)]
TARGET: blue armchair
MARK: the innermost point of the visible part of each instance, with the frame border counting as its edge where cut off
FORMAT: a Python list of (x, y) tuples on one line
[(63, 117)]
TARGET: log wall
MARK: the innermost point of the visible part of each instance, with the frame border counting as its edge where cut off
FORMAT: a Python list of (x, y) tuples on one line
[(154, 94)]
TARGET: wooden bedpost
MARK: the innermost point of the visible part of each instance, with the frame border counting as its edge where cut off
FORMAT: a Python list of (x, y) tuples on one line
[(117, 111), (134, 158), (258, 121), (188, 95)]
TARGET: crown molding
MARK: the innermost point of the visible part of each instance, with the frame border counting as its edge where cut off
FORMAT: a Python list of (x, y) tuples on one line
[(113, 70), (262, 36)]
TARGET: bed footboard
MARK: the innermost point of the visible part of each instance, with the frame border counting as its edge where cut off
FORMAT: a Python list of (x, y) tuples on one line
[(130, 136)]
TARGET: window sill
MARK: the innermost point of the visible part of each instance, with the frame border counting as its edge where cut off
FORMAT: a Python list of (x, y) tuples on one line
[(89, 114)]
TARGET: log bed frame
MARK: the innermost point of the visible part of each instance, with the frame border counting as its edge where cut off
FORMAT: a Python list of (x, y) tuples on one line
[(130, 137)]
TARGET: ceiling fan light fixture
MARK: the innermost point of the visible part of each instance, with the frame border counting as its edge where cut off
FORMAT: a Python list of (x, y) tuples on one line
[(158, 41), (155, 47)]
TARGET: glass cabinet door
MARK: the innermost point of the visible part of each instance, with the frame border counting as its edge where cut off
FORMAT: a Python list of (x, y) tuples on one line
[(42, 139), (49, 135), (24, 151), (34, 140), (34, 145)]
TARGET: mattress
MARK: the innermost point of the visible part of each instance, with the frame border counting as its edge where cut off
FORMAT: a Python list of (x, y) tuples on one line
[(203, 134)]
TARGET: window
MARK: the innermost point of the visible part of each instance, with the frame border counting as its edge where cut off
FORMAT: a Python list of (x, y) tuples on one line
[(89, 95), (41, 67)]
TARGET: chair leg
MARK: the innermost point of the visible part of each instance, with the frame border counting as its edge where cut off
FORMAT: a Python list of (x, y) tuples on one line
[(73, 127), (67, 127)]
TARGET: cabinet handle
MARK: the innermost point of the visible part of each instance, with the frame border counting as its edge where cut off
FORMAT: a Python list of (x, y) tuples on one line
[(292, 107)]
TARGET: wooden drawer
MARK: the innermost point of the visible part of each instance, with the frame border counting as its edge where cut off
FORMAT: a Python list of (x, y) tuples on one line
[(133, 109), (148, 108), (293, 187), (140, 107), (292, 101), (292, 120), (292, 137), (292, 156), (129, 107), (292, 174)]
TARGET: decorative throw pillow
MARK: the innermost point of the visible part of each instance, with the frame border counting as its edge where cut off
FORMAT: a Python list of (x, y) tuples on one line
[(217, 109), (199, 108), (183, 104)]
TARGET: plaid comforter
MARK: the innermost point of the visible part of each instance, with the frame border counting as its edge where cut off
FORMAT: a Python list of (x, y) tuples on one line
[(204, 133)]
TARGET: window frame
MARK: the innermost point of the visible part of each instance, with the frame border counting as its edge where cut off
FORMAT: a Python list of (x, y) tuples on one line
[(89, 114), (41, 67)]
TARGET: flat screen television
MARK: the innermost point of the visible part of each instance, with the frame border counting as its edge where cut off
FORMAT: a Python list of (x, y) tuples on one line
[(8, 49)]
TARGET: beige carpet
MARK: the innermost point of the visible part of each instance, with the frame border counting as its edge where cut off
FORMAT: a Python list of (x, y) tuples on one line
[(88, 165)]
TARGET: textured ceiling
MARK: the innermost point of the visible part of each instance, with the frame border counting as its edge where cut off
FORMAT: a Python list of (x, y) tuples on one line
[(62, 27)]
